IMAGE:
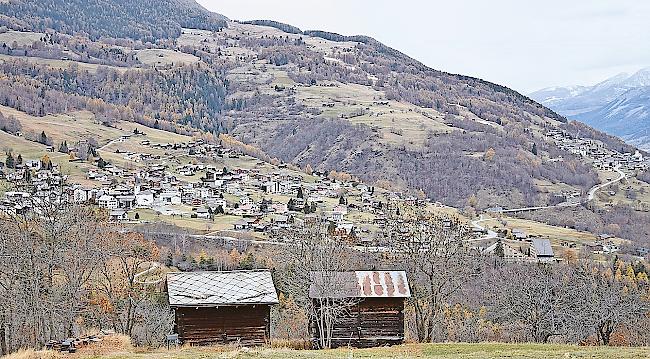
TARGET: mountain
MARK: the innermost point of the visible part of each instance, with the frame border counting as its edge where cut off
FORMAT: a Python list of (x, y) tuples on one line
[(346, 104), (140, 20), (627, 116), (617, 105)]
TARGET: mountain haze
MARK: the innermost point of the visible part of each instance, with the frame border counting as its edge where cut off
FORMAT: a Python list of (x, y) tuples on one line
[(618, 106)]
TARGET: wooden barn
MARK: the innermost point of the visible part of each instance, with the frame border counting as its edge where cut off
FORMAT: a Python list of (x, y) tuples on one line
[(373, 312), (222, 307)]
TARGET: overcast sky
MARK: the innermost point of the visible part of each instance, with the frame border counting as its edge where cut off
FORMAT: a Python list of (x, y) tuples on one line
[(525, 45)]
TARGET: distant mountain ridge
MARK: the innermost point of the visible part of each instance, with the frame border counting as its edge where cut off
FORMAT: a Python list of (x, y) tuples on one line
[(619, 105)]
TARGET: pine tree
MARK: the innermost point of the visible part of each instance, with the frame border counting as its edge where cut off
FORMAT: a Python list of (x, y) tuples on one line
[(63, 147), (534, 149), (43, 138), (498, 251), (19, 160), (10, 162), (300, 194)]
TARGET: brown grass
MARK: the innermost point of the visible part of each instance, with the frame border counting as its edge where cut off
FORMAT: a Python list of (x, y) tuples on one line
[(110, 344), (33, 354)]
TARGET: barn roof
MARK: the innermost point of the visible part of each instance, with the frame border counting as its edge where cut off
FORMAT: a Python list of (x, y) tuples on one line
[(359, 284), (543, 247), (193, 289)]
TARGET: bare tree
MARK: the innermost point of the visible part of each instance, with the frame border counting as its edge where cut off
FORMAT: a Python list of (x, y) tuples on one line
[(437, 260), (608, 301), (315, 258)]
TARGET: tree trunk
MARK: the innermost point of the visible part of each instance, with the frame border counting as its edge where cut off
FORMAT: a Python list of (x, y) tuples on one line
[(605, 332), (3, 340)]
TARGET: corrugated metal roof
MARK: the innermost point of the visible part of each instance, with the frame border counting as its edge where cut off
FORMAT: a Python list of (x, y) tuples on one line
[(359, 284), (220, 288)]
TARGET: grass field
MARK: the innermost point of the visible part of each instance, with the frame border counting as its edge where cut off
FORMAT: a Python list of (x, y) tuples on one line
[(399, 123), (543, 230), (165, 57), (21, 38), (434, 351), (60, 64)]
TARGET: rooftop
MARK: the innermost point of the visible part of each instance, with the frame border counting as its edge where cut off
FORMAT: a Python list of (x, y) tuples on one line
[(359, 284), (193, 289)]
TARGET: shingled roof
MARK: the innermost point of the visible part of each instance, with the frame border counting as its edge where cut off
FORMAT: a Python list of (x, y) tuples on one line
[(359, 284), (195, 289)]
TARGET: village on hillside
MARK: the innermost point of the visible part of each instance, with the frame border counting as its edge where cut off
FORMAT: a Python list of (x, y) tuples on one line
[(221, 192), (601, 157)]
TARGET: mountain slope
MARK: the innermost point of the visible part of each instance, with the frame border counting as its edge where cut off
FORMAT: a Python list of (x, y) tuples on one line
[(627, 116), (337, 103), (137, 19)]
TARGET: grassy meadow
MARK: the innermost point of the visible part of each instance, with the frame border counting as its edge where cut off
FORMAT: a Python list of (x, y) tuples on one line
[(434, 351)]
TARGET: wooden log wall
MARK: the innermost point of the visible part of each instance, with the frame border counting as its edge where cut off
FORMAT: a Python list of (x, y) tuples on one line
[(247, 325), (373, 322)]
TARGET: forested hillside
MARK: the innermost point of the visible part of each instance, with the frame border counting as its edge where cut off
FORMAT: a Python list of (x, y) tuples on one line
[(336, 103), (141, 20)]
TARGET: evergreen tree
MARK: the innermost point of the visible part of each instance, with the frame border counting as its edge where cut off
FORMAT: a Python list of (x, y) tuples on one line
[(341, 200), (534, 149), (43, 138), (19, 160), (169, 260), (63, 147), (300, 194), (498, 251), (10, 162), (137, 215)]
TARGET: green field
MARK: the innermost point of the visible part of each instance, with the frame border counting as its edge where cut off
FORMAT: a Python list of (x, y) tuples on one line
[(437, 351)]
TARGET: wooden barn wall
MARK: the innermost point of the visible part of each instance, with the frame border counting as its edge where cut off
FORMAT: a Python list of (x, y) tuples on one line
[(248, 325), (373, 322)]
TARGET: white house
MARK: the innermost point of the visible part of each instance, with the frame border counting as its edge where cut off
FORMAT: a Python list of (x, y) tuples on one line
[(271, 187), (82, 194), (108, 202), (202, 213), (144, 199), (338, 213), (172, 197)]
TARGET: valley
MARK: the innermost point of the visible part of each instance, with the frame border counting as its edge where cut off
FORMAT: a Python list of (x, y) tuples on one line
[(176, 183)]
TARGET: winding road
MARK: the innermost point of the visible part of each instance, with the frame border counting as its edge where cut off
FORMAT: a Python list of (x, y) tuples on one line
[(490, 233), (592, 192), (590, 197)]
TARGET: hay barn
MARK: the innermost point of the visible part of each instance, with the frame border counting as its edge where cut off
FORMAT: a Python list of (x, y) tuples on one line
[(375, 301), (222, 307)]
